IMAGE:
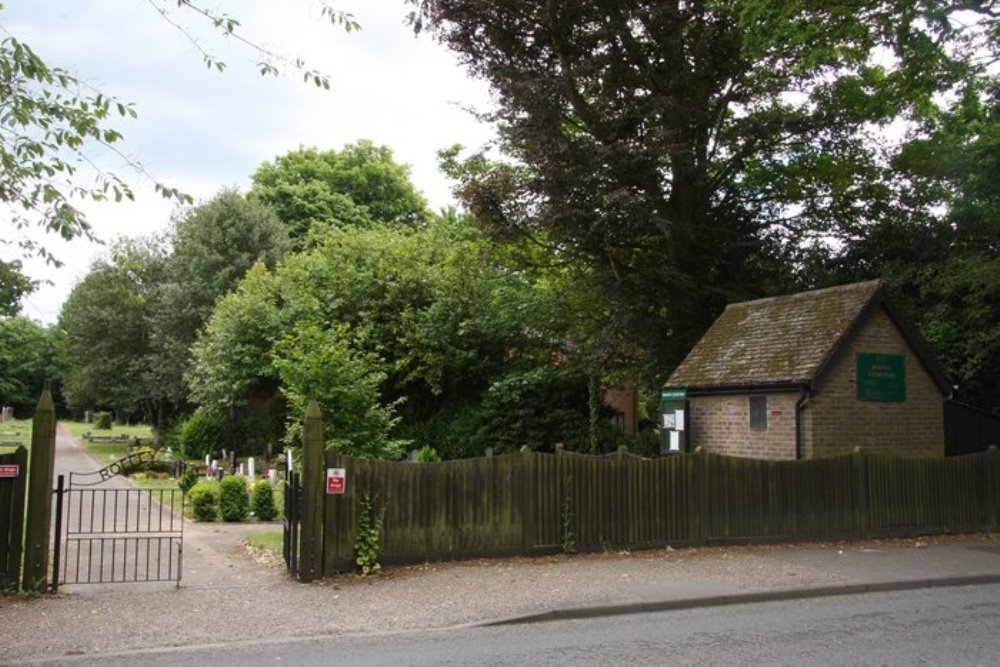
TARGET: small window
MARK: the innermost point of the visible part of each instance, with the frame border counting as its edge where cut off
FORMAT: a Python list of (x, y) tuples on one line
[(758, 413)]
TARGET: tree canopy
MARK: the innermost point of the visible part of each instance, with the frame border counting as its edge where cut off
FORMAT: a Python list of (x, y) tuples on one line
[(313, 190), (111, 363), (689, 153)]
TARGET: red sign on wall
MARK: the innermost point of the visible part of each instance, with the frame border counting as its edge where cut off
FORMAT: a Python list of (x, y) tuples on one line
[(336, 481), (10, 470)]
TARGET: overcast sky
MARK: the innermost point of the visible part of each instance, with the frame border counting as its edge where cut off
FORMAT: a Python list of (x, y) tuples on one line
[(200, 130)]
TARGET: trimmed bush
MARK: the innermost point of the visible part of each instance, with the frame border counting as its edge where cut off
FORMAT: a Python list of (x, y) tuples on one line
[(263, 501), (187, 480), (204, 501), (102, 421), (200, 434), (234, 499)]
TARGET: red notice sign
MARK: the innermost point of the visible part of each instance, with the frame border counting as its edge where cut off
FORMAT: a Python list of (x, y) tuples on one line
[(12, 470), (336, 481)]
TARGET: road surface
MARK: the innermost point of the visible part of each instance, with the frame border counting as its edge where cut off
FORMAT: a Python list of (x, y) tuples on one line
[(954, 626)]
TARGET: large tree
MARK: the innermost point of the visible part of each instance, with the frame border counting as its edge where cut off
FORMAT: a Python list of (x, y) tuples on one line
[(426, 334), (214, 245), (940, 252), (111, 363), (29, 355), (313, 191), (688, 151)]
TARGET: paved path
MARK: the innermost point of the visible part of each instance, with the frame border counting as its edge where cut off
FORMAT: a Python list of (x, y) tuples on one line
[(227, 597), (213, 555)]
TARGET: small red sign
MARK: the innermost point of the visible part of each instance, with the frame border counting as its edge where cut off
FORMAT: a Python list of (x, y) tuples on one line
[(336, 481), (12, 470)]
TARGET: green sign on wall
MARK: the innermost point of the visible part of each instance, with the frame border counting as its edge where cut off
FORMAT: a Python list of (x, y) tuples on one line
[(881, 377)]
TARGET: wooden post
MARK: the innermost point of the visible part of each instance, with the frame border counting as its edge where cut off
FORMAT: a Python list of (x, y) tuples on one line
[(42, 465), (311, 535), (859, 471)]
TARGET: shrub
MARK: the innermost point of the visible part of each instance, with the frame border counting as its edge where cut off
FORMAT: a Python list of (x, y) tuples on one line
[(200, 434), (187, 480), (102, 421), (204, 500), (263, 501), (368, 539), (427, 454), (234, 499)]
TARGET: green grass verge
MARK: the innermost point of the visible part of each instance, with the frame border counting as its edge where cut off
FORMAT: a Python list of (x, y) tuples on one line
[(269, 541)]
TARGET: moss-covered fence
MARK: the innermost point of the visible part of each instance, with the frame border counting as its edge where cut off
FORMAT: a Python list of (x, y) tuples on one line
[(534, 503)]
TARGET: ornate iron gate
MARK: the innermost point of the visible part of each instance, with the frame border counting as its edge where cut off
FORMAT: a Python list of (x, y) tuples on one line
[(117, 535)]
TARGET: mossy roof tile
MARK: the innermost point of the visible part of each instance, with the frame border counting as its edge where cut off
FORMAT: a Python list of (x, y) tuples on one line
[(774, 341)]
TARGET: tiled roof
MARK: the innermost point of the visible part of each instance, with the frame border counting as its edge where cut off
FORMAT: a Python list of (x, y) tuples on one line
[(775, 341)]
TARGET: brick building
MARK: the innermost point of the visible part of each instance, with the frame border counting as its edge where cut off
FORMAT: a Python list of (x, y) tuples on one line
[(813, 374)]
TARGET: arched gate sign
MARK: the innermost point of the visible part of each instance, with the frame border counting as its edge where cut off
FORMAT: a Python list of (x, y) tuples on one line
[(109, 532)]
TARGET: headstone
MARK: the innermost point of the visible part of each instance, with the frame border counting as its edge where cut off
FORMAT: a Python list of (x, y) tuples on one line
[(241, 473), (272, 474), (251, 472), (489, 452)]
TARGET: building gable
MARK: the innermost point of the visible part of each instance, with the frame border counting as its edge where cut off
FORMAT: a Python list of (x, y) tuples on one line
[(790, 341)]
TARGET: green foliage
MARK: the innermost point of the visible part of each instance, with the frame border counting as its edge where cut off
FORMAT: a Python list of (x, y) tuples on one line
[(345, 382), (368, 537), (690, 157), (233, 354), (103, 421), (30, 354), (50, 129), (214, 245), (262, 502), (314, 192), (398, 333), (187, 480), (427, 454), (234, 498), (106, 319), (201, 434), (204, 501), (939, 251), (13, 286)]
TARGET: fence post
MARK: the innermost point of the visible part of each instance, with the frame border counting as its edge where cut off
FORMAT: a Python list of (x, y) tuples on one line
[(40, 469), (859, 473), (993, 485), (311, 536), (12, 496)]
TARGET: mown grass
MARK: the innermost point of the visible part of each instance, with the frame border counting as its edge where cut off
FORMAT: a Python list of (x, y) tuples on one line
[(106, 451), (14, 434)]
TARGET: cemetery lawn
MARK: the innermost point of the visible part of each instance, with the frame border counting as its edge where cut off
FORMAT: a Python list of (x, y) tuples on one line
[(15, 433), (106, 451)]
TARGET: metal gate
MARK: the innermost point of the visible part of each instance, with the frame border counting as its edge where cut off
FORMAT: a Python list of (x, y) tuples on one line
[(115, 534), (293, 512)]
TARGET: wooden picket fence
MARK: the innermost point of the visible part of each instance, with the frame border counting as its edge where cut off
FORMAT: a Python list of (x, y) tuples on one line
[(530, 502), (13, 490)]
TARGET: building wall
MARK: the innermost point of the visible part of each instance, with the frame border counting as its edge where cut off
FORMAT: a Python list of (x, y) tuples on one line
[(835, 421), (721, 424), (624, 399)]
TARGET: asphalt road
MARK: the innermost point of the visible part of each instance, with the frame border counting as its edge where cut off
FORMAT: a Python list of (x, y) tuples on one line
[(954, 626)]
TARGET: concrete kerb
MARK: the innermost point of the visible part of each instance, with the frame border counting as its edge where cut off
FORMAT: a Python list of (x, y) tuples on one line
[(598, 611)]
